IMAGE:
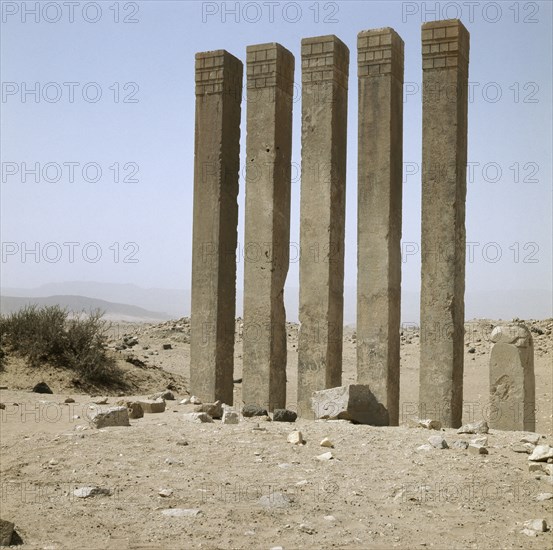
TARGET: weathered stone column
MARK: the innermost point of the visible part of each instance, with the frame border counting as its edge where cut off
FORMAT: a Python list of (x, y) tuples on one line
[(325, 66), (380, 72), (445, 53), (270, 70), (512, 381), (216, 165)]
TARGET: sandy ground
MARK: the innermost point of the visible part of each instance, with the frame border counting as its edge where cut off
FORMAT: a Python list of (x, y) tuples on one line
[(253, 488)]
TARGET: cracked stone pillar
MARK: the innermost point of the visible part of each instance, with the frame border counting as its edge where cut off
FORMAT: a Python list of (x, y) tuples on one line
[(216, 165), (512, 381), (270, 70), (325, 66), (380, 134), (445, 54)]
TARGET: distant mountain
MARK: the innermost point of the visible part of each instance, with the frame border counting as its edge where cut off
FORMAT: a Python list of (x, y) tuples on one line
[(77, 304), (175, 303)]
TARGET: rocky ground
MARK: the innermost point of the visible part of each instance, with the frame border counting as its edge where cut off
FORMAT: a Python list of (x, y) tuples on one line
[(245, 485)]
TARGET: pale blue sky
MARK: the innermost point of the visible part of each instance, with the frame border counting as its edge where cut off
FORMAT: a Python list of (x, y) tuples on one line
[(510, 54)]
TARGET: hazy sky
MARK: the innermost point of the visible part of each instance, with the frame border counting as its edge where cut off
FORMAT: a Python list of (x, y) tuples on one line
[(139, 56)]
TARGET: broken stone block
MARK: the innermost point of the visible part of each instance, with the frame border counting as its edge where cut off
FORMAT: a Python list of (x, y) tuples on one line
[(284, 415), (533, 439), (354, 402), (438, 442), (86, 492), (480, 427), (460, 444), (326, 443), (152, 406), (541, 453), (539, 525), (114, 416), (230, 417), (427, 423), (477, 450), (512, 382), (134, 408), (215, 410), (325, 456), (167, 395), (182, 512), (6, 532), (522, 448), (197, 417), (253, 410), (295, 437)]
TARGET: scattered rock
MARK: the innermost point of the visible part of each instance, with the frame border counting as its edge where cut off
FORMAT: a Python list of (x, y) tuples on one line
[(42, 387), (134, 408), (427, 423), (425, 447), (284, 415), (304, 528), (165, 492), (185, 401), (529, 532), (197, 417), (482, 441), (480, 427), (296, 438), (195, 400), (472, 350), (544, 496), (182, 512), (325, 456), (69, 400), (152, 406), (230, 417), (354, 402), (215, 410), (329, 518), (460, 444), (253, 410), (326, 443), (541, 467), (541, 453), (100, 400), (86, 492), (274, 500), (539, 525), (438, 442), (522, 448), (114, 416), (477, 450), (6, 532), (166, 395), (533, 439), (167, 346)]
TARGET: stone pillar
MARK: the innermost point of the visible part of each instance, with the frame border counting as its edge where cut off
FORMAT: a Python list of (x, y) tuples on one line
[(380, 72), (512, 381), (270, 70), (445, 53), (325, 66), (216, 166)]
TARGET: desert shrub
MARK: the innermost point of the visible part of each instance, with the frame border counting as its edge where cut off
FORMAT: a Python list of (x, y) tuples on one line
[(49, 334)]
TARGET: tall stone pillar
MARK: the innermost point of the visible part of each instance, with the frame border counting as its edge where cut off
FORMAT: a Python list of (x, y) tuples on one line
[(380, 72), (325, 67), (270, 70), (445, 54), (512, 380), (216, 166)]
